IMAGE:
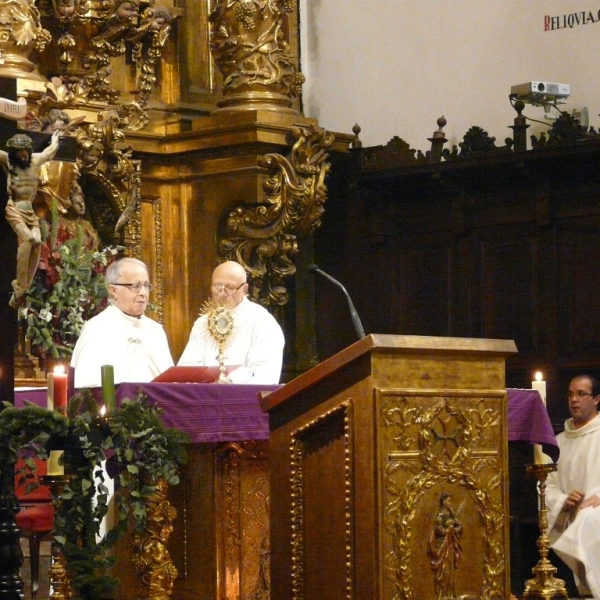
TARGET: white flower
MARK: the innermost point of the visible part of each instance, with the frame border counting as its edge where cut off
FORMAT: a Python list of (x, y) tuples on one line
[(46, 314)]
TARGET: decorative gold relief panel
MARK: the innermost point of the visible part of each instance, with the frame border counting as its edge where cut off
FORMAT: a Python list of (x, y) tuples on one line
[(242, 518), (317, 450), (442, 466)]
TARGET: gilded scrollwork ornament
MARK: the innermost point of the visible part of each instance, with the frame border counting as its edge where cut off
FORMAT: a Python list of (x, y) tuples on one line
[(91, 33), (263, 237), (148, 41)]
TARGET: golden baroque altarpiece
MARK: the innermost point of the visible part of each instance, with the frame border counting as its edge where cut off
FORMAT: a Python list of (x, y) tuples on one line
[(156, 99)]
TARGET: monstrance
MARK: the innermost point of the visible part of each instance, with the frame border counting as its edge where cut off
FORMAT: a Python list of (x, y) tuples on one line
[(220, 327)]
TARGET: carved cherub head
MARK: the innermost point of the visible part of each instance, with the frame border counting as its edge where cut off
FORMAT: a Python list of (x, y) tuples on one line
[(55, 119), (127, 10)]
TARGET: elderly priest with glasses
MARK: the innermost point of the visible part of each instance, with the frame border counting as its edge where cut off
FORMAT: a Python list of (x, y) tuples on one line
[(255, 350), (122, 335), (573, 490)]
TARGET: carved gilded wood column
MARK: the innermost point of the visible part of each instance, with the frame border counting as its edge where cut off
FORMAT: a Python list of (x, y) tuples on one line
[(242, 520), (250, 45)]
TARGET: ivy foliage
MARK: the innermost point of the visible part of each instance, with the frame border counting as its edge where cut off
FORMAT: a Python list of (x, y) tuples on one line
[(65, 293), (131, 443)]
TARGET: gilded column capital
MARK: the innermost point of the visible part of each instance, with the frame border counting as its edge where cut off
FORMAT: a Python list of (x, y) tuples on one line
[(250, 45), (21, 32)]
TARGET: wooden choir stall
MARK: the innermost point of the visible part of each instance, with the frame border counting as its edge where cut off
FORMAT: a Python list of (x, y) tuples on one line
[(389, 474)]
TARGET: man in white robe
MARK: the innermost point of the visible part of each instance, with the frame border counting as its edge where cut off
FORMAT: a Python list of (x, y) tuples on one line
[(573, 490), (121, 335), (257, 340)]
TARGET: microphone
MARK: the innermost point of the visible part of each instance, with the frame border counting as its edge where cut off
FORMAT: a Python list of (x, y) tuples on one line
[(360, 332)]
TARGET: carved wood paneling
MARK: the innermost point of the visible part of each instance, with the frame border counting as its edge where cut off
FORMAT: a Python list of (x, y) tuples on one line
[(494, 245), (317, 452), (442, 451), (242, 521)]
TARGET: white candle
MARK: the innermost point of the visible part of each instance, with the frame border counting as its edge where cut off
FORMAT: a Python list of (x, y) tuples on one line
[(540, 385), (54, 466)]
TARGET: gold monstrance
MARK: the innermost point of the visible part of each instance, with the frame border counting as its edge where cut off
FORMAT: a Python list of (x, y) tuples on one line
[(220, 327)]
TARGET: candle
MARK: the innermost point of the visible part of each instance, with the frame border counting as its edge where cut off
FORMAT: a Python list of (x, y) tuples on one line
[(50, 396), (108, 387), (54, 465), (540, 385), (60, 389)]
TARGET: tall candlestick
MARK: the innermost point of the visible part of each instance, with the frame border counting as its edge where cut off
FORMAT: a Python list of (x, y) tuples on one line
[(54, 465), (60, 389), (50, 396), (540, 385), (108, 387)]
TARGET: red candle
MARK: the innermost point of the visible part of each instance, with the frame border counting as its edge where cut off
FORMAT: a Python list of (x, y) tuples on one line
[(60, 389), (50, 396)]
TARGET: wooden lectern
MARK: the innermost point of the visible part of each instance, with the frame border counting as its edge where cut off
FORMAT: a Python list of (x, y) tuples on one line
[(389, 474)]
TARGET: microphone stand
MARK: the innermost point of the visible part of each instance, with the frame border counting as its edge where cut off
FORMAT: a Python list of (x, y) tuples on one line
[(360, 332)]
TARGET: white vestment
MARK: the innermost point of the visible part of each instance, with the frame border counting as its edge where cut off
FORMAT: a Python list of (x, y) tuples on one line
[(577, 540), (136, 347), (256, 344)]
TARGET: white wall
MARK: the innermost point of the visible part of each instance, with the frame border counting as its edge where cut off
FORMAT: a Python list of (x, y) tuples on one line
[(395, 66)]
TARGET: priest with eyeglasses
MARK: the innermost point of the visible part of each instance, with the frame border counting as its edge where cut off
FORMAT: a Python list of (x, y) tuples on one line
[(573, 490), (255, 350), (122, 335)]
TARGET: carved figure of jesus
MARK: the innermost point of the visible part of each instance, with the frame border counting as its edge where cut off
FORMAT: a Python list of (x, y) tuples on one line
[(22, 167)]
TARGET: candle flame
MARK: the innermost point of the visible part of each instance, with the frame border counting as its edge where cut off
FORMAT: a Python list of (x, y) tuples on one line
[(59, 370), (103, 410), (539, 376)]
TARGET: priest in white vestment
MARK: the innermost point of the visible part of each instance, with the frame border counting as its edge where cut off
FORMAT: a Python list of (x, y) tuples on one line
[(122, 335), (257, 340), (573, 490)]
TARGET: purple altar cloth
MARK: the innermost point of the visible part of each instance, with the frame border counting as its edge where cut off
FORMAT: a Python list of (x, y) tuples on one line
[(207, 412), (37, 396), (219, 413), (528, 421)]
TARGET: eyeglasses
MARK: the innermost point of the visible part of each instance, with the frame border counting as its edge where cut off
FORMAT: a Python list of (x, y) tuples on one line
[(136, 287), (578, 394), (228, 289)]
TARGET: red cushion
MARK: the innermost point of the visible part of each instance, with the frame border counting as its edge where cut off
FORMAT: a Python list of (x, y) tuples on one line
[(40, 494), (36, 518)]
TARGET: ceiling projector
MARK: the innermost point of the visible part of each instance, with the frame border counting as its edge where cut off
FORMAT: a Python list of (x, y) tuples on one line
[(539, 93)]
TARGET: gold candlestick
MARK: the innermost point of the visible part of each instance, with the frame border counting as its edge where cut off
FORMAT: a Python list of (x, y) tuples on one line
[(58, 574), (544, 586)]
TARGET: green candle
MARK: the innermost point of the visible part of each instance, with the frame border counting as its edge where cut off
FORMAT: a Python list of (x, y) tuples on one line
[(108, 387)]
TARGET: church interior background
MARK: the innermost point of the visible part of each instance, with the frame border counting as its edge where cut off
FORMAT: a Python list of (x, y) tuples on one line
[(203, 131)]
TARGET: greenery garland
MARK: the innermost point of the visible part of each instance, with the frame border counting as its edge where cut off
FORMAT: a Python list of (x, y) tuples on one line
[(67, 290), (132, 440)]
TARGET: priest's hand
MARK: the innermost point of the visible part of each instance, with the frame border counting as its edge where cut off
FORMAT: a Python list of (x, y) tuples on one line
[(573, 501), (591, 501)]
